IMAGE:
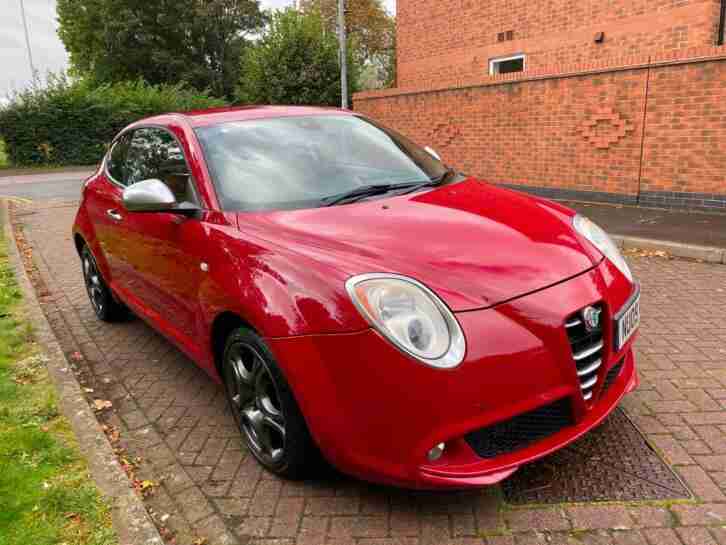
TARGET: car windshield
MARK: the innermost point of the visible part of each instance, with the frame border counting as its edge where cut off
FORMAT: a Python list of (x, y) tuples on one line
[(299, 162)]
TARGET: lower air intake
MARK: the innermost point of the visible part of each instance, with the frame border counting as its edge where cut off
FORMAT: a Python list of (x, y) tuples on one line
[(521, 431), (613, 374)]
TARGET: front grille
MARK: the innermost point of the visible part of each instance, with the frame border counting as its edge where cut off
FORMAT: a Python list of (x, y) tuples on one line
[(521, 430), (587, 350), (613, 374)]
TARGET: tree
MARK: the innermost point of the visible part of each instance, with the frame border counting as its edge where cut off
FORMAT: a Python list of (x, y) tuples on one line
[(196, 42), (295, 62), (371, 29)]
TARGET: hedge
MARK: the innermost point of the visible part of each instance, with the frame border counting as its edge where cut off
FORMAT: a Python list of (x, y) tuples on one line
[(72, 123)]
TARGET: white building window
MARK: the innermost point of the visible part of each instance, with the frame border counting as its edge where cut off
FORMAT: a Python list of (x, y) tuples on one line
[(507, 65)]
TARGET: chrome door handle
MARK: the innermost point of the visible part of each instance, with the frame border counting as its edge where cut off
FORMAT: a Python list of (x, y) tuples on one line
[(114, 214)]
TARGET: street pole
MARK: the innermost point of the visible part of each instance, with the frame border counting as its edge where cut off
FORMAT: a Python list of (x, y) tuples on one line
[(27, 39), (343, 55)]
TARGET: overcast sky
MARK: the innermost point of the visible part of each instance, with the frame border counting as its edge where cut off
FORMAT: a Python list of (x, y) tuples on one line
[(47, 50)]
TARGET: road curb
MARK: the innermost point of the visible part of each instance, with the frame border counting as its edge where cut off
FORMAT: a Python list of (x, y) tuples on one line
[(131, 521), (708, 254)]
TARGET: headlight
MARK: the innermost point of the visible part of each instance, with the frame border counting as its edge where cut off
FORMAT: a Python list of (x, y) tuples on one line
[(411, 316), (602, 242)]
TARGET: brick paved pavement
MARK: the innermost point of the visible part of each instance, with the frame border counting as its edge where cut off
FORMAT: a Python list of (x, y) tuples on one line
[(174, 419)]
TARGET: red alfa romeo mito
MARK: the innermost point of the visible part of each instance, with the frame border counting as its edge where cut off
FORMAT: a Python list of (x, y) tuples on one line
[(360, 301)]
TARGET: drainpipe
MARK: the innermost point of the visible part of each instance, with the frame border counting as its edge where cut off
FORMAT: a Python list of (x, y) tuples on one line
[(722, 24)]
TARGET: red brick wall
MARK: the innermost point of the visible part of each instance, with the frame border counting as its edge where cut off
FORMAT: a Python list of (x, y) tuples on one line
[(685, 138), (584, 132), (440, 41)]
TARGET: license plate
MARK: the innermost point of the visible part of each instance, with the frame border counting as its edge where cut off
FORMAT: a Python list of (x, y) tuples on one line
[(627, 323)]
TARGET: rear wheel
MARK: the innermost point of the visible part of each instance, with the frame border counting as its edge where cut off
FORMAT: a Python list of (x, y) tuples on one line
[(106, 307), (269, 419)]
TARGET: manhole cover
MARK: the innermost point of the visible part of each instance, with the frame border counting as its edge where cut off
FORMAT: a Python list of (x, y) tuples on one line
[(612, 462)]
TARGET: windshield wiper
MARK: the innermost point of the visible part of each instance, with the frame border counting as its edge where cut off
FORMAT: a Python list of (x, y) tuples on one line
[(433, 182), (362, 192), (381, 189), (439, 180)]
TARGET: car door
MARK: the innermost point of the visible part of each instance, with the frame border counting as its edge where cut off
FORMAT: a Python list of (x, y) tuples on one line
[(103, 201), (161, 251)]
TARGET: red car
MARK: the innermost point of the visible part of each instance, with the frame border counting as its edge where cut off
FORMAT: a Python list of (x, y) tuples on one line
[(360, 301)]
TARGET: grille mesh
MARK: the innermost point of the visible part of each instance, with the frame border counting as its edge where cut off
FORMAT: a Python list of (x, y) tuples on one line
[(521, 430), (587, 350)]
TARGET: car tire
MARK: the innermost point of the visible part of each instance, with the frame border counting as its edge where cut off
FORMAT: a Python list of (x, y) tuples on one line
[(104, 303), (265, 410)]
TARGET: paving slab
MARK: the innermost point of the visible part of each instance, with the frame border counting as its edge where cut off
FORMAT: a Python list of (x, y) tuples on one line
[(687, 228), (173, 422)]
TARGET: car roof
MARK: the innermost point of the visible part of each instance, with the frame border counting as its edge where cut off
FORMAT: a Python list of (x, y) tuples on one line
[(215, 116)]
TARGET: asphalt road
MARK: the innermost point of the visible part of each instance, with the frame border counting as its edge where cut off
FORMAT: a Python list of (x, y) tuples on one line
[(694, 228), (42, 187)]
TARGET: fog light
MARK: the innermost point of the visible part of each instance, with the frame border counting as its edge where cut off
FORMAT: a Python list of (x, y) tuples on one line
[(436, 452)]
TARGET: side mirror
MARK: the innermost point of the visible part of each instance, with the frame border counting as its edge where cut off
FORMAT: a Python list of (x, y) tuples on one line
[(432, 152), (153, 196)]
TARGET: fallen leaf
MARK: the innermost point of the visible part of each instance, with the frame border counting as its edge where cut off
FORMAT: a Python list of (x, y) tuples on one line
[(74, 517), (145, 487), (101, 404), (640, 252)]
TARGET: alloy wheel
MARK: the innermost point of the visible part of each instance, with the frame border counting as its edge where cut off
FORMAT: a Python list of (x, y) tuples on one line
[(93, 281), (255, 402)]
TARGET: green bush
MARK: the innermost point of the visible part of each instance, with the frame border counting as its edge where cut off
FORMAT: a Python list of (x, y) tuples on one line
[(72, 123), (3, 155)]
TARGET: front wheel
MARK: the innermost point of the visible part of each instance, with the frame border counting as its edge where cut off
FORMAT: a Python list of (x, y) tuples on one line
[(268, 417), (106, 307)]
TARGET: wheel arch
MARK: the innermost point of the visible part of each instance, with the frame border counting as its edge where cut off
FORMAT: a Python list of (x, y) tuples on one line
[(79, 242), (223, 324)]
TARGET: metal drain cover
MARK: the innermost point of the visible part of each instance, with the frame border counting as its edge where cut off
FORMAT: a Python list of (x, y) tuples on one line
[(612, 462)]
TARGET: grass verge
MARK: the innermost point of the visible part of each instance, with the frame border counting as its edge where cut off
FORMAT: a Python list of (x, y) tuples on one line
[(46, 493)]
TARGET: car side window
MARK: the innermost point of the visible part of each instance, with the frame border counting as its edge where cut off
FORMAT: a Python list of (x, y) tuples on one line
[(117, 158), (155, 153)]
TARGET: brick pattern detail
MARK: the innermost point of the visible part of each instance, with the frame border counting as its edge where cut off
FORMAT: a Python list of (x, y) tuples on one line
[(628, 126), (174, 419), (444, 133), (605, 128), (439, 40)]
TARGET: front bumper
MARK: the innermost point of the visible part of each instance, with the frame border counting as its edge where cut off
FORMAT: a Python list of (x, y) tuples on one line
[(375, 412)]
